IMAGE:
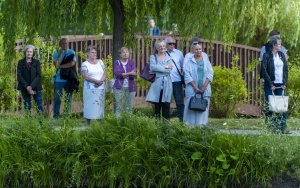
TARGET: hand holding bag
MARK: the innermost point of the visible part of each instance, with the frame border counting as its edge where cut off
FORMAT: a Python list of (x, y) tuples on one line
[(278, 103), (198, 104)]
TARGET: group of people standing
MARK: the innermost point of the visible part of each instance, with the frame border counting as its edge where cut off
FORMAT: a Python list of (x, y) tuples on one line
[(167, 63), (173, 72), (66, 82), (170, 67)]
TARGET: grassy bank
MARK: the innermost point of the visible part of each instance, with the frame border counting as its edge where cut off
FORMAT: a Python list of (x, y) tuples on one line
[(137, 151)]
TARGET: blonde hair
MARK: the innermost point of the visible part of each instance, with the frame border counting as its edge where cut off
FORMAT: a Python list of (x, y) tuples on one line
[(90, 47), (123, 49)]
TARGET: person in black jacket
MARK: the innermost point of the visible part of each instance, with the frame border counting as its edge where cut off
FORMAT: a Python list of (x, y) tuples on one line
[(29, 79), (275, 75), (267, 48)]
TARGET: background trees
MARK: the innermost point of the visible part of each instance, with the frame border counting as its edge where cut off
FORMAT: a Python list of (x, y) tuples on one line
[(244, 21)]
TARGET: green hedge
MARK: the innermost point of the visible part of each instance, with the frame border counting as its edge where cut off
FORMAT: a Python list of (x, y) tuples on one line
[(136, 151)]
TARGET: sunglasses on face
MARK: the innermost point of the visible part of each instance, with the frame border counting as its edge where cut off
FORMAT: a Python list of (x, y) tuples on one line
[(195, 43), (171, 43)]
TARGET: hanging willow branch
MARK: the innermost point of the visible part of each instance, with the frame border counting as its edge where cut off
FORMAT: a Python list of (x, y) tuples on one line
[(225, 20)]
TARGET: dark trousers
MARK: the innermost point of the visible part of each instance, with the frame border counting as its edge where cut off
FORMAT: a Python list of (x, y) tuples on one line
[(277, 119), (178, 96), (38, 99), (162, 107), (59, 87)]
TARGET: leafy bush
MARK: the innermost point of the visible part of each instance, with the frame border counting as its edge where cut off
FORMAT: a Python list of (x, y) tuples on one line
[(228, 89), (293, 86), (7, 82), (136, 151)]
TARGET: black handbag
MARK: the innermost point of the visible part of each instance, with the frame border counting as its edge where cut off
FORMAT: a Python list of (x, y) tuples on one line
[(198, 104)]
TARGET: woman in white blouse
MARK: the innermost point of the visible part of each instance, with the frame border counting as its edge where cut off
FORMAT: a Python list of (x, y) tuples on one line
[(275, 74), (94, 75)]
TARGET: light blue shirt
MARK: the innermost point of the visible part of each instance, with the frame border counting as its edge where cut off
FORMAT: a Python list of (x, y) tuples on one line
[(55, 56), (178, 58)]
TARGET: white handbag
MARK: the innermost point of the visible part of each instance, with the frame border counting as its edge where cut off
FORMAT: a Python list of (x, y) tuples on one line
[(278, 103)]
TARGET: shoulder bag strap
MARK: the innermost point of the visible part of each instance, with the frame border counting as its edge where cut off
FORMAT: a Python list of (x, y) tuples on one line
[(155, 58), (174, 63)]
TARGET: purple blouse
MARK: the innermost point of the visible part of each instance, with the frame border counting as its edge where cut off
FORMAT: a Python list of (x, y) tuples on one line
[(118, 70)]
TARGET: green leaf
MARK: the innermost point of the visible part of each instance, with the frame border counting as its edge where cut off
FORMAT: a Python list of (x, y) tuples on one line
[(232, 172), (164, 168), (220, 172), (221, 158), (234, 157), (196, 156), (212, 169), (225, 166)]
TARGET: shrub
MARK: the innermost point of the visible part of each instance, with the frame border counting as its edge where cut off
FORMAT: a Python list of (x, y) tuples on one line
[(136, 151), (293, 86), (228, 89)]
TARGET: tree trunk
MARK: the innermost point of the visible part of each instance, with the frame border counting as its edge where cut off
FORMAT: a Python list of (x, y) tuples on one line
[(118, 28)]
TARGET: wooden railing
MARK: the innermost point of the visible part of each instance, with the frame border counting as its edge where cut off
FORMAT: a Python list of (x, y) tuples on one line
[(216, 51)]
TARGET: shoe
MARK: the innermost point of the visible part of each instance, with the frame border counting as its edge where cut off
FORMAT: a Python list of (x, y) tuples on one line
[(285, 132)]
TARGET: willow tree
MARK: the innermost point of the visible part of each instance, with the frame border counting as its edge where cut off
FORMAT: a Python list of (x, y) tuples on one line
[(226, 20)]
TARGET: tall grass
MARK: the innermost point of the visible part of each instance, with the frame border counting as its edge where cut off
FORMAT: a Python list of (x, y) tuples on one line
[(137, 151)]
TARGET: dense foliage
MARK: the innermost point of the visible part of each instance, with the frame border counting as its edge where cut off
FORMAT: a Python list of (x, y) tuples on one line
[(229, 89), (136, 151), (226, 20), (293, 87)]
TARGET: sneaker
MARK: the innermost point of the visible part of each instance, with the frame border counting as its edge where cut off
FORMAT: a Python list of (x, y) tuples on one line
[(285, 132)]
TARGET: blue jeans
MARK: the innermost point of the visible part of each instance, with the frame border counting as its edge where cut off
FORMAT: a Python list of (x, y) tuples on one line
[(277, 119), (178, 96), (38, 99), (59, 87)]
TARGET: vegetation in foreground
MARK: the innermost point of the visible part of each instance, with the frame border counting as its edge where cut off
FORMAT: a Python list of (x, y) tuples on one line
[(137, 151)]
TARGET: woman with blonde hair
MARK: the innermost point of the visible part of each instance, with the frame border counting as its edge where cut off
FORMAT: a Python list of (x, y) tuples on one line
[(93, 71), (124, 88)]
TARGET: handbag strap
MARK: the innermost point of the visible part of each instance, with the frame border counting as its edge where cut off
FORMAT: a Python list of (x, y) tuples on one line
[(174, 62), (283, 91), (200, 94)]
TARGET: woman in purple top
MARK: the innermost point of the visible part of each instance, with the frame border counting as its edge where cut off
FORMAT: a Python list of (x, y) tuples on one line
[(124, 87)]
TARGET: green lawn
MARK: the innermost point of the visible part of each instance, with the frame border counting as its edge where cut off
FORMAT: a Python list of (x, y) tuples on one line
[(249, 123), (232, 123)]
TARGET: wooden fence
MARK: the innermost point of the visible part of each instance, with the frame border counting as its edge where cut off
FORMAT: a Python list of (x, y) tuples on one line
[(217, 52)]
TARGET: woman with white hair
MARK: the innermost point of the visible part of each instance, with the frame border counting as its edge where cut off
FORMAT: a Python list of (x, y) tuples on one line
[(198, 77), (160, 92), (29, 79)]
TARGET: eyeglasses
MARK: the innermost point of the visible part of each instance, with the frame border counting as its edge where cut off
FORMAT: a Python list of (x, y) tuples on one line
[(195, 43), (171, 43)]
